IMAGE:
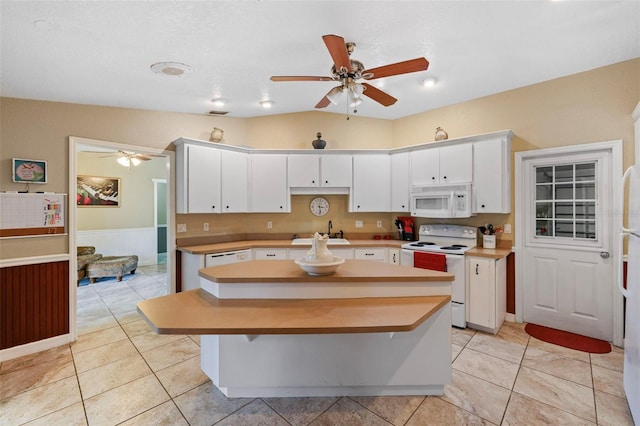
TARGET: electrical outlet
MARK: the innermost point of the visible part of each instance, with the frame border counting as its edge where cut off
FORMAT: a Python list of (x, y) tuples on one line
[(379, 224), (182, 227), (206, 226), (359, 224), (507, 228), (269, 225)]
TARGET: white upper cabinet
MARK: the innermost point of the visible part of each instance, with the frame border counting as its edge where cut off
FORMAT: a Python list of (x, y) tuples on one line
[(492, 175), (198, 179), (326, 171), (442, 165), (400, 182), (268, 183), (234, 181), (371, 183)]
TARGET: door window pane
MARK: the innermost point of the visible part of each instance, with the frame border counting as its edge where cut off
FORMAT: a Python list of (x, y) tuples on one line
[(566, 200)]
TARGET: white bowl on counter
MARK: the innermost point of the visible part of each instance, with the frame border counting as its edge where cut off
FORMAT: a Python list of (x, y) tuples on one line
[(320, 268)]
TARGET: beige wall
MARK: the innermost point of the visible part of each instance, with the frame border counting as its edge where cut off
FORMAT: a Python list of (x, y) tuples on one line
[(586, 107)]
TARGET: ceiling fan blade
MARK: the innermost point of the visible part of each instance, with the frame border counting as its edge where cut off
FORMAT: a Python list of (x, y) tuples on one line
[(338, 51), (324, 102), (142, 157), (299, 78), (405, 67), (378, 95)]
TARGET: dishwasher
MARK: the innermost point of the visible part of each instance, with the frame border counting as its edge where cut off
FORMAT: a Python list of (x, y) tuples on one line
[(217, 259)]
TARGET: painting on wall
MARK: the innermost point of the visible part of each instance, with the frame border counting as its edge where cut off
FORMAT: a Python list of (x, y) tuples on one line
[(96, 191), (29, 171)]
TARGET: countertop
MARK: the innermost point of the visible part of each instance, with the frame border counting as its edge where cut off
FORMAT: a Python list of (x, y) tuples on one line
[(286, 271), (496, 253), (198, 312)]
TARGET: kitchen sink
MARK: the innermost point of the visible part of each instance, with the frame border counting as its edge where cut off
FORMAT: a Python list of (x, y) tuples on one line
[(330, 241)]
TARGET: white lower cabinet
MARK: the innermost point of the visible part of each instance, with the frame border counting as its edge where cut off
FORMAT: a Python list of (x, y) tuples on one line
[(486, 293), (269, 254), (375, 254)]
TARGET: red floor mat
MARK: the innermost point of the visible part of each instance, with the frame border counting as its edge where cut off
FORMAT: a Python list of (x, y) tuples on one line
[(568, 340)]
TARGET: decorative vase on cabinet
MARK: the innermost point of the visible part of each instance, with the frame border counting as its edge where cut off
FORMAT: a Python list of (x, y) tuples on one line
[(441, 134), (319, 143)]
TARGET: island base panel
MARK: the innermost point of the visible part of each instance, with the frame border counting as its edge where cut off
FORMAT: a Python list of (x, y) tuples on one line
[(405, 363)]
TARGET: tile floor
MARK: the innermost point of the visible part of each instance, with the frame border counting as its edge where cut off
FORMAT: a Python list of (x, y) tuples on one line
[(120, 372)]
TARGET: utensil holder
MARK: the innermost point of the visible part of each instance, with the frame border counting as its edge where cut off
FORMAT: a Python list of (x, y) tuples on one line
[(489, 241)]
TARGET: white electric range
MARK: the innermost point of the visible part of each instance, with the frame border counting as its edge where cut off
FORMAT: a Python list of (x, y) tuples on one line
[(450, 241)]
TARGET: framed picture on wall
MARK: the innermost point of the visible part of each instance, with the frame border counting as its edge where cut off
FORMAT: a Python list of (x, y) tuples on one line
[(29, 171), (96, 191)]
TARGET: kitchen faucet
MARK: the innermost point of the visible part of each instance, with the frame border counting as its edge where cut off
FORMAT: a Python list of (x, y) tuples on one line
[(330, 226)]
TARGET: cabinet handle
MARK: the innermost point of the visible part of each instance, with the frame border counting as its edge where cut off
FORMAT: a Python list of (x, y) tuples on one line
[(326, 181), (313, 181), (271, 255), (227, 206), (394, 258), (482, 206), (213, 207), (477, 268), (368, 254), (433, 178), (444, 177)]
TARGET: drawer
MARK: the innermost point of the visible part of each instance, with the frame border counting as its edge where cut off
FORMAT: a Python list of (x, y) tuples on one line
[(270, 254), (375, 254)]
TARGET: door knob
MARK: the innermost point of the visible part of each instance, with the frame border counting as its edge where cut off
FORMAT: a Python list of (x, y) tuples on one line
[(604, 254)]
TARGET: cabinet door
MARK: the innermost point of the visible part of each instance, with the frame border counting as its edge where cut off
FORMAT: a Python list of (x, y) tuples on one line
[(234, 182), (481, 284), (425, 166), (371, 183), (335, 171), (303, 171), (374, 254), (456, 162), (400, 184), (203, 179), (270, 254), (492, 176), (269, 192)]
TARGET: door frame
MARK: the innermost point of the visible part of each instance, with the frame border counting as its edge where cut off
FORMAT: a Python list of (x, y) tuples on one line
[(156, 181), (77, 144), (615, 147)]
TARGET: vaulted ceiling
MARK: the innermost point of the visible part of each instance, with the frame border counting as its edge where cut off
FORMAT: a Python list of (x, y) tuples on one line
[(101, 52)]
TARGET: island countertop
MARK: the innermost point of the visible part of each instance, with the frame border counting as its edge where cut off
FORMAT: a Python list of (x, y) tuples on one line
[(286, 271)]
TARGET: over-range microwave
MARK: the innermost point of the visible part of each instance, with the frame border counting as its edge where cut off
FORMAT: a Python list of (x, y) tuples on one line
[(441, 201)]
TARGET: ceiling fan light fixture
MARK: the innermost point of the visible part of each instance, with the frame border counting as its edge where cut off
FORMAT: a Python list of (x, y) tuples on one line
[(135, 161), (357, 89), (429, 82), (335, 94), (266, 104), (124, 161)]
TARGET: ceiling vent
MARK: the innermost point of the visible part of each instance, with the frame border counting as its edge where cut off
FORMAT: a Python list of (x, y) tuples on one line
[(218, 113)]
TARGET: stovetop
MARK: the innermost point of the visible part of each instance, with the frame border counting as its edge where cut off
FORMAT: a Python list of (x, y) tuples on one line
[(447, 239)]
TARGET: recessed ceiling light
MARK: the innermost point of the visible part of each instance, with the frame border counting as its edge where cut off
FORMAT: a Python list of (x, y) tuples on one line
[(172, 69), (218, 102), (429, 82), (266, 104)]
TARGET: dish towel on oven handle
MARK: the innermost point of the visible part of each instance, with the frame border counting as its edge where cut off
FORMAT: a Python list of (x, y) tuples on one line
[(433, 261)]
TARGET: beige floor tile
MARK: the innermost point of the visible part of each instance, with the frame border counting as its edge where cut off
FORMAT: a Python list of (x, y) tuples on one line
[(523, 411), (126, 401), (612, 410), (394, 409), (513, 332), (182, 377), (614, 360), (96, 339), (33, 360), (88, 324), (461, 336), (104, 355), (40, 401), (559, 350), (477, 396), (171, 353), (150, 340), (206, 405), (300, 411), (437, 412), (195, 338), (135, 328), (497, 346), (557, 365), (560, 393), (112, 375), (164, 414), (346, 412), (490, 368), (608, 381), (455, 351), (25, 379), (255, 413), (69, 416)]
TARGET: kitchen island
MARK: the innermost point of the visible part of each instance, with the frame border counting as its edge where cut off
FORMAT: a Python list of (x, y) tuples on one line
[(270, 330)]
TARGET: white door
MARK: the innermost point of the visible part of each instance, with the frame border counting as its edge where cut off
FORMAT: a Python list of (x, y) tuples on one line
[(565, 225)]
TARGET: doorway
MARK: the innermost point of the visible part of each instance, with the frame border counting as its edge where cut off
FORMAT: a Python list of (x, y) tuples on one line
[(160, 218), (77, 145), (566, 222)]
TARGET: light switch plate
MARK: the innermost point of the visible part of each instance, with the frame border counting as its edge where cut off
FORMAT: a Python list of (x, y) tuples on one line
[(359, 224), (507, 228), (206, 226), (182, 227), (269, 225)]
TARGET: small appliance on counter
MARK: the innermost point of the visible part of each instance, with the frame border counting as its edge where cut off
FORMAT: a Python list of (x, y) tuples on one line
[(406, 228)]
